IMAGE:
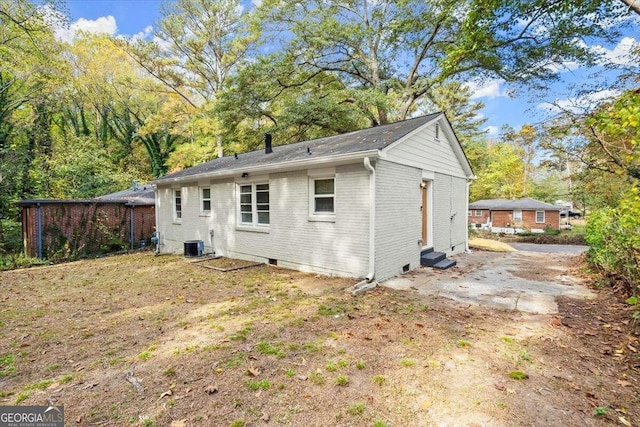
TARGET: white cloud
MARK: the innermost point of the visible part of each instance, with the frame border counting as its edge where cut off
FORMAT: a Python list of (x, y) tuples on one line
[(142, 34), (487, 89), (491, 130), (102, 25), (624, 53), (580, 104)]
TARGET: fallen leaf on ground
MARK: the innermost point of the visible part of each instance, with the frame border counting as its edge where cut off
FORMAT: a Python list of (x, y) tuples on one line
[(253, 371), (624, 421), (211, 389), (179, 423)]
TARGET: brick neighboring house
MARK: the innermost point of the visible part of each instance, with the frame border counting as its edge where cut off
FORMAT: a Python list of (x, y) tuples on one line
[(60, 229), (514, 216)]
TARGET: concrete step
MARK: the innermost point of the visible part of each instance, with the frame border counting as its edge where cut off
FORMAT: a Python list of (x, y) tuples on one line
[(444, 264), (431, 258), (426, 251)]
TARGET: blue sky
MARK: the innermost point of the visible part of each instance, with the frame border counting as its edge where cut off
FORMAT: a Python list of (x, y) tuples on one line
[(137, 17)]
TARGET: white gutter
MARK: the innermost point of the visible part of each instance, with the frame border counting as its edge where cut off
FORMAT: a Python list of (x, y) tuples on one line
[(372, 219), (311, 161)]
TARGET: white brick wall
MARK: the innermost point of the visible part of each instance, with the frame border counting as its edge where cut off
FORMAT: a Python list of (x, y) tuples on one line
[(398, 218), (339, 247)]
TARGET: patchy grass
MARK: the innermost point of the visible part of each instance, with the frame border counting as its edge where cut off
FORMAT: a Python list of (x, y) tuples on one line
[(152, 340)]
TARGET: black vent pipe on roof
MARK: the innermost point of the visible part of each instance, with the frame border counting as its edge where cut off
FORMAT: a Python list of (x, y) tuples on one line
[(267, 144)]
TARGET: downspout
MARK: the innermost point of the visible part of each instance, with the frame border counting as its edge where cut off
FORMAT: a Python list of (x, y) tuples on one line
[(131, 227), (372, 219), (39, 211), (466, 245)]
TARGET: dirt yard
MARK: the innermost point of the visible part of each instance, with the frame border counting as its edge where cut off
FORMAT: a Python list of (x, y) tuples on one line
[(161, 341)]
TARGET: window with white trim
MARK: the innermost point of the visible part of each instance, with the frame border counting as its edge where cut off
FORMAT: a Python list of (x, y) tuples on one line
[(517, 215), (205, 200), (177, 205), (323, 196), (540, 217), (437, 131), (253, 202), (478, 212)]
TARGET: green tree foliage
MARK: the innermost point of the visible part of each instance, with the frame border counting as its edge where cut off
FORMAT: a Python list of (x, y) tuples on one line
[(396, 53), (614, 237)]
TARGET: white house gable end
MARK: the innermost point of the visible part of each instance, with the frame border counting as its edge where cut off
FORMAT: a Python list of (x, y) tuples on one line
[(432, 148)]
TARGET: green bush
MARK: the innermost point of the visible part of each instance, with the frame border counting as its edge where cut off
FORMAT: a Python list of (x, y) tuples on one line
[(613, 235), (11, 237)]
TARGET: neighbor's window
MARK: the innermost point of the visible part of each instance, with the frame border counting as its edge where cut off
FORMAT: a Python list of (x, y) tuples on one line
[(469, 213), (478, 212), (517, 215), (324, 196), (205, 200), (540, 217), (437, 130), (254, 204), (177, 204)]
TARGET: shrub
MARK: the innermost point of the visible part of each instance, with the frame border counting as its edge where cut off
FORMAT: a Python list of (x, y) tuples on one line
[(613, 235)]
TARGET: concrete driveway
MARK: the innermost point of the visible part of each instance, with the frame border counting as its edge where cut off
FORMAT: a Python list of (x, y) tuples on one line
[(527, 281)]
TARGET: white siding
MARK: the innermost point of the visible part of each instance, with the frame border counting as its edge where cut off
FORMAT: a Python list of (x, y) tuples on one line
[(398, 218), (339, 247), (423, 151), (449, 212)]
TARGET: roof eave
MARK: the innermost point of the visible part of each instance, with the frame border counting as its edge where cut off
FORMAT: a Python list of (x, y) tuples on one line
[(276, 167)]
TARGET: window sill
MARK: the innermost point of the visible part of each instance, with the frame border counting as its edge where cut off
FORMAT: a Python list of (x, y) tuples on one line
[(205, 213), (253, 228), (176, 222), (322, 218)]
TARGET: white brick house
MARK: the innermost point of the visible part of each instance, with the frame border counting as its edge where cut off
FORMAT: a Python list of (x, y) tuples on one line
[(363, 204)]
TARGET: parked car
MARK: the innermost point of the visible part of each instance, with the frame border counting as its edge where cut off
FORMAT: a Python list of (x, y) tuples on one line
[(570, 214)]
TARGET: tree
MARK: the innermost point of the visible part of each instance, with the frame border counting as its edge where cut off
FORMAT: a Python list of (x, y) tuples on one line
[(199, 43), (394, 53)]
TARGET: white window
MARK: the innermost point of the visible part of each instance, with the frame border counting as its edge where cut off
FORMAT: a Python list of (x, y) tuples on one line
[(205, 200), (253, 202), (177, 205), (540, 217), (323, 190), (517, 215), (478, 212)]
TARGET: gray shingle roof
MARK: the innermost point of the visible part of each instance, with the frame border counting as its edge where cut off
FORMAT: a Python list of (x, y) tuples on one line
[(142, 195), (375, 138), (518, 204)]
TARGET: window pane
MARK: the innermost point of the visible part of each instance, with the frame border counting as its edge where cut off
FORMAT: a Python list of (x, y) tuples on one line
[(245, 198), (263, 217), (245, 208), (324, 204), (245, 189), (206, 193), (262, 197), (262, 187), (539, 216), (323, 186), (206, 205), (247, 217)]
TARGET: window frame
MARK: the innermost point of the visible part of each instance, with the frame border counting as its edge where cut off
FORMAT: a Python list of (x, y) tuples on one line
[(518, 217), (203, 200), (437, 132), (314, 214), (544, 217), (254, 206), (478, 212), (177, 206)]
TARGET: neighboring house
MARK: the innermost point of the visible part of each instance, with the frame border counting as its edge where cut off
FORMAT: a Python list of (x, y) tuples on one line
[(514, 216), (71, 228), (362, 204)]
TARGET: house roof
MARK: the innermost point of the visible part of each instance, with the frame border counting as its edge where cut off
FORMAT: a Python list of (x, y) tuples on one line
[(508, 205), (140, 195), (137, 195), (332, 148)]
